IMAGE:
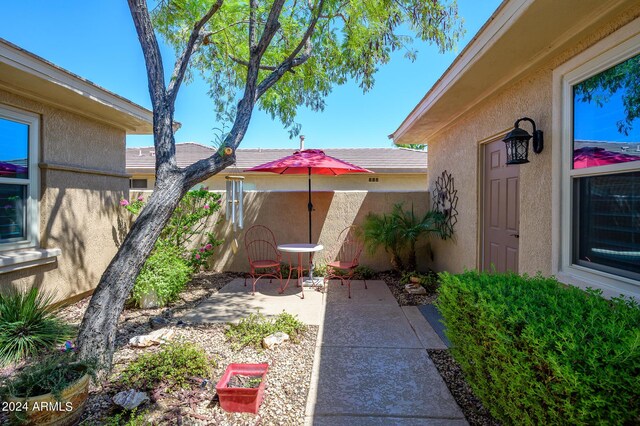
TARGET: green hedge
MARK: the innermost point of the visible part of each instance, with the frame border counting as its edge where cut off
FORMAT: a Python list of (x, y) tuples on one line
[(536, 352)]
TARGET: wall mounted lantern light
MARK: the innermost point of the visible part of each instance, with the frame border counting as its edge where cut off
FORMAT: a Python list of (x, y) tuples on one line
[(517, 142)]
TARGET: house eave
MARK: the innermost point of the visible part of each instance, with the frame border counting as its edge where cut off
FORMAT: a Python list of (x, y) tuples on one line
[(33, 77), (517, 38)]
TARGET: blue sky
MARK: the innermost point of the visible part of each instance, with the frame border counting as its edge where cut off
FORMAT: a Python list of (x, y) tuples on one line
[(97, 40)]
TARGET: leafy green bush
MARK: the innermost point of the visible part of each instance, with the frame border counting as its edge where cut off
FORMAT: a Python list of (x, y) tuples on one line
[(51, 374), (254, 328), (165, 272), (28, 326), (536, 352), (171, 366), (398, 233), (363, 273), (186, 227)]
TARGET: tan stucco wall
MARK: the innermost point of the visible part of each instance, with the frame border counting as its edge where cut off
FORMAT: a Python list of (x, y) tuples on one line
[(458, 148), (285, 213), (78, 210), (351, 182)]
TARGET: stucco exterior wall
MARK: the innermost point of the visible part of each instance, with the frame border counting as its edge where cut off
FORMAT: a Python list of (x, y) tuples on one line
[(285, 213), (82, 179), (458, 149), (401, 182)]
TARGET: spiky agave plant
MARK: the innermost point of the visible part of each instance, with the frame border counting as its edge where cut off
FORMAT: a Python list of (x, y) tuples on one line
[(28, 326)]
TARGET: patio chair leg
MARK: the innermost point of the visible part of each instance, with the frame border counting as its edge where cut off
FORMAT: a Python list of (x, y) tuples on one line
[(349, 287), (365, 285)]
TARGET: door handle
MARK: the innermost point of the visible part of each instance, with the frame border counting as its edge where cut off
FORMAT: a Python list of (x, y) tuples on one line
[(515, 235)]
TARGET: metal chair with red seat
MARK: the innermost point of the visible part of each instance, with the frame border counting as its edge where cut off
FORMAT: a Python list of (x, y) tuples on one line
[(263, 254), (346, 258)]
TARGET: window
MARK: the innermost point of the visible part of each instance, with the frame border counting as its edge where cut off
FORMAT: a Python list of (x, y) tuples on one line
[(601, 168), (138, 183), (18, 179)]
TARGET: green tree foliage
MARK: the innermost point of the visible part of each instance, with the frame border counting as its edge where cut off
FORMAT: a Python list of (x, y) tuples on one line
[(538, 353), (601, 87), (329, 41), (416, 146)]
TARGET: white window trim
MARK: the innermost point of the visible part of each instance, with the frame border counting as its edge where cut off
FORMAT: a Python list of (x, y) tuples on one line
[(616, 48), (33, 195)]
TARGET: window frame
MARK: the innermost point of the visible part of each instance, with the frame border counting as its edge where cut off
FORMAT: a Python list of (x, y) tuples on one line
[(33, 182), (569, 271)]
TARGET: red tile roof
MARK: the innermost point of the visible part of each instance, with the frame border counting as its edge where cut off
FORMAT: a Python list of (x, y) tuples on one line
[(381, 160)]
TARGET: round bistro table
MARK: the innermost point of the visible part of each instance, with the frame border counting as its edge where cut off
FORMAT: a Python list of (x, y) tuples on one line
[(300, 248)]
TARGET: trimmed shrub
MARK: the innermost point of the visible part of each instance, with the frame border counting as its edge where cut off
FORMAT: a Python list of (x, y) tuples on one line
[(28, 326), (536, 352), (165, 272)]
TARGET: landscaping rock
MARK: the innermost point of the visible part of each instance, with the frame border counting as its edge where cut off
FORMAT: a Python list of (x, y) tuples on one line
[(415, 289), (130, 399), (156, 337), (274, 340), (157, 323)]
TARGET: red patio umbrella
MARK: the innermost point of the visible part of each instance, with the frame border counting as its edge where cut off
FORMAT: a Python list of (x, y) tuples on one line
[(590, 156), (309, 161)]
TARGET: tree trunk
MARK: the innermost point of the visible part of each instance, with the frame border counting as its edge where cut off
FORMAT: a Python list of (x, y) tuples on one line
[(99, 325), (411, 261)]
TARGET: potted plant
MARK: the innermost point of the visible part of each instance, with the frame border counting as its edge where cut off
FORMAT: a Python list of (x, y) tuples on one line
[(241, 388), (49, 391)]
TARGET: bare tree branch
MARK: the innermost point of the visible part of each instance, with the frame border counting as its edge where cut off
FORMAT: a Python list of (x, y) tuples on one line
[(253, 6), (193, 43), (150, 50), (270, 28), (208, 167), (285, 66), (293, 60), (246, 64)]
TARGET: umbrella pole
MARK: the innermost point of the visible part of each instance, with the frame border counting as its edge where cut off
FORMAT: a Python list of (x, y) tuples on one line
[(310, 206)]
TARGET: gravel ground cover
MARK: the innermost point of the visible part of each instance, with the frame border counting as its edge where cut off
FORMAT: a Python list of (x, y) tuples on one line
[(453, 376), (397, 288), (448, 368), (287, 381)]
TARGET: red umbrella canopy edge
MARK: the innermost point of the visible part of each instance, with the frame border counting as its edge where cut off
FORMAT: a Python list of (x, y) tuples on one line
[(301, 161), (309, 161)]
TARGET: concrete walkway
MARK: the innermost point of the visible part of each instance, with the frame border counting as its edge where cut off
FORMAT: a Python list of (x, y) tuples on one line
[(371, 366)]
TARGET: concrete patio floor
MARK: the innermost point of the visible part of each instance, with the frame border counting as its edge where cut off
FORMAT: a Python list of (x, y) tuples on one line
[(371, 366)]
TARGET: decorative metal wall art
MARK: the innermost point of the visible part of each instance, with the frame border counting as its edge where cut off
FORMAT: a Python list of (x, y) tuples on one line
[(445, 200)]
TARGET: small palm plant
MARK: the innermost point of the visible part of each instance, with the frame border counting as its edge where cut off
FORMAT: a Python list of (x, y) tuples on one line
[(28, 326), (398, 232)]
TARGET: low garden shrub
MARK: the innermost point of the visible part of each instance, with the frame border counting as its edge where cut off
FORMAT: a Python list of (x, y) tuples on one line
[(50, 374), (173, 366), (28, 326), (254, 328), (165, 273), (537, 352)]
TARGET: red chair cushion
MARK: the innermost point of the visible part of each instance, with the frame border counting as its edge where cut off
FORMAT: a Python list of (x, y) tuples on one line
[(264, 263), (342, 265)]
